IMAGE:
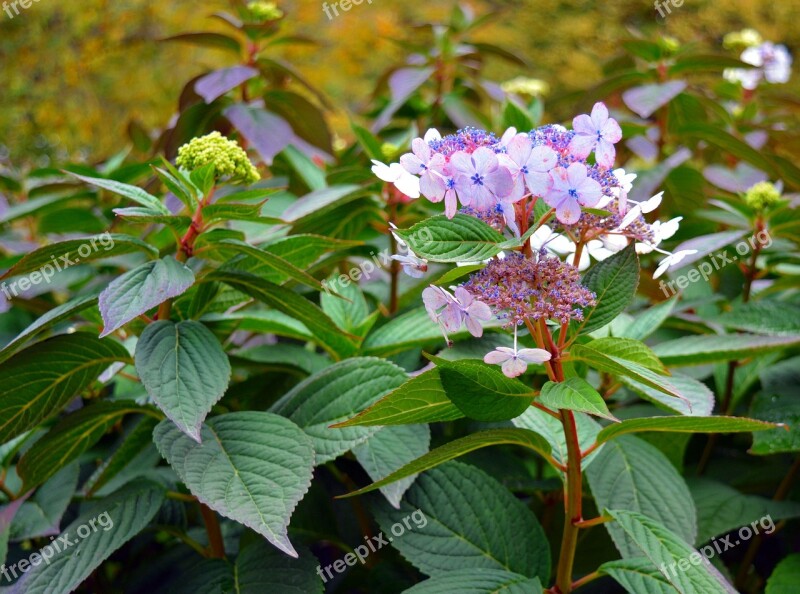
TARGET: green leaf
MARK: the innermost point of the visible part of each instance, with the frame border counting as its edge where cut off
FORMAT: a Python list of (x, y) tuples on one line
[(411, 329), (721, 508), (776, 318), (212, 40), (478, 581), (371, 144), (321, 201), (275, 262), (460, 239), (335, 394), (261, 569), (637, 575), (614, 282), (184, 370), (390, 449), (633, 475), (715, 136), (776, 407), (468, 521), (459, 447), (63, 254), (421, 399), (140, 215), (330, 337), (70, 438), (683, 425), (114, 520), (38, 382), (630, 350), (309, 172), (707, 348), (576, 394), (142, 289), (482, 392), (621, 367), (552, 431), (351, 313), (54, 316), (41, 514), (132, 444), (696, 398), (134, 193), (252, 467), (666, 550), (784, 577)]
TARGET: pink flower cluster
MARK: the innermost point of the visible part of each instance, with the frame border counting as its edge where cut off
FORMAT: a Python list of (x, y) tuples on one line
[(487, 174)]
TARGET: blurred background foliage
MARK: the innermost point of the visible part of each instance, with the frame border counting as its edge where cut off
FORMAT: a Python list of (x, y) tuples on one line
[(75, 74)]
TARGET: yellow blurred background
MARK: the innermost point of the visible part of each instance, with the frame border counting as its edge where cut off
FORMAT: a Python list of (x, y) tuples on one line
[(75, 73)]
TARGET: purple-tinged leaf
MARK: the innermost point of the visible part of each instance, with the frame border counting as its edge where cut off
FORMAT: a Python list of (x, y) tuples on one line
[(219, 82), (735, 180), (268, 133), (647, 99)]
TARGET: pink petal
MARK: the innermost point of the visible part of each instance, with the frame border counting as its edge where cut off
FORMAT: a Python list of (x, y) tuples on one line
[(589, 192), (605, 154), (412, 163), (450, 204), (474, 326), (462, 163), (519, 149), (498, 356), (599, 115), (582, 124), (501, 182), (568, 212), (480, 311), (464, 297), (576, 174), (421, 149), (485, 160), (542, 159), (432, 186), (534, 355), (539, 183), (514, 367), (611, 131), (452, 317), (580, 146)]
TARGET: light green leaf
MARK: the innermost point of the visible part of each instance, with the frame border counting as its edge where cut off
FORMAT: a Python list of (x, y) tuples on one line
[(697, 399), (338, 343), (390, 449), (184, 370), (684, 425), (252, 467), (721, 508), (622, 367), (650, 320), (350, 311), (63, 254), (459, 447), (630, 350), (478, 581), (41, 514), (141, 289), (552, 430), (637, 575), (54, 316), (35, 384), (575, 394), (707, 348), (421, 399), (460, 239), (116, 520), (763, 317), (482, 392), (467, 520), (665, 550), (275, 262), (134, 193), (784, 577), (631, 474), (335, 394)]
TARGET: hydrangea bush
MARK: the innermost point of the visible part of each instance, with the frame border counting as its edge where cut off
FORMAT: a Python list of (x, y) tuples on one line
[(496, 355)]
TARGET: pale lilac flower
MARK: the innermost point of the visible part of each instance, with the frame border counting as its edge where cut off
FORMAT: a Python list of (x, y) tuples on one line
[(529, 165), (572, 188), (473, 312), (450, 312), (772, 62), (396, 174), (413, 265), (480, 179), (640, 208), (422, 161), (514, 362), (661, 231), (597, 132)]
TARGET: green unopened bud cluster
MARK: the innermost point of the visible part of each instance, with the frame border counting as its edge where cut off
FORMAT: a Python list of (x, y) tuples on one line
[(264, 11), (526, 86), (739, 40), (762, 195), (228, 157)]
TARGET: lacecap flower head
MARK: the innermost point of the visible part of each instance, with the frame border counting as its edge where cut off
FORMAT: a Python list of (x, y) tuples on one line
[(228, 158)]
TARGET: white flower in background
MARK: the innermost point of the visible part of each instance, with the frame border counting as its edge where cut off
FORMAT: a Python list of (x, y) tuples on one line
[(671, 260), (413, 265), (771, 62), (396, 174), (661, 231)]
